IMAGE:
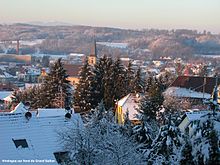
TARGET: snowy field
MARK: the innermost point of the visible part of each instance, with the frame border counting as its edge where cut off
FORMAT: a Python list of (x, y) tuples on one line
[(114, 44)]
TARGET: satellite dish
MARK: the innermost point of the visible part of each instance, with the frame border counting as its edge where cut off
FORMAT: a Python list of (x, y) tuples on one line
[(68, 115), (28, 115)]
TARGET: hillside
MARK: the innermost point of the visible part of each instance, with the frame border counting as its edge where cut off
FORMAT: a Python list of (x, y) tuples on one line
[(68, 39)]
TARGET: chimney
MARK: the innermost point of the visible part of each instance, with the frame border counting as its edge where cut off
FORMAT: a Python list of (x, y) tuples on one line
[(18, 47)]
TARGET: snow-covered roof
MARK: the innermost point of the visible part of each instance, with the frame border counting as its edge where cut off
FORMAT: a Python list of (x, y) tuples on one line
[(51, 112), (130, 103), (189, 117), (122, 101), (196, 115), (4, 94), (20, 108), (34, 71), (38, 135), (183, 92)]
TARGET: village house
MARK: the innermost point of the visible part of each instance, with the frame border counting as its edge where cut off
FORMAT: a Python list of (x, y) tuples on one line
[(33, 135), (195, 89), (190, 118), (128, 104), (5, 99)]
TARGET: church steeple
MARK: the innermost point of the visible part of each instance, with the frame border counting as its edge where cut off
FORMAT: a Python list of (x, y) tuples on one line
[(94, 50), (92, 58)]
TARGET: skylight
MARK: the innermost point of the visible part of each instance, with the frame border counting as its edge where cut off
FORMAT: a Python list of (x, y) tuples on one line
[(20, 143), (61, 156)]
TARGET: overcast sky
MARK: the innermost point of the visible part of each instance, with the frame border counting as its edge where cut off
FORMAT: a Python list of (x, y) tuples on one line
[(135, 14)]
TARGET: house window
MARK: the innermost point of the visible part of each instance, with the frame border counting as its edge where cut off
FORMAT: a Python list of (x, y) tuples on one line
[(20, 143), (61, 157)]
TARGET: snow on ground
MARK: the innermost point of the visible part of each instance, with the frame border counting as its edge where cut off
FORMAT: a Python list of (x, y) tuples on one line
[(53, 56), (114, 44), (29, 42)]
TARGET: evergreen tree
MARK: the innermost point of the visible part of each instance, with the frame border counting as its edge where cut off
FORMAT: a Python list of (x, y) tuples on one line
[(109, 98), (214, 151), (83, 96), (57, 88), (129, 78), (205, 140), (147, 130), (98, 80), (100, 142), (166, 146), (186, 153), (151, 102), (148, 83), (118, 77), (144, 133), (138, 83), (38, 101)]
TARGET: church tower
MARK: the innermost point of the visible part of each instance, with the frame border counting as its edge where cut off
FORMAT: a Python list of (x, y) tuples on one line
[(92, 58)]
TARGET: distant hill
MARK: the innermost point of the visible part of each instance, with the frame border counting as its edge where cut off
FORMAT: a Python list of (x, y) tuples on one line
[(62, 38)]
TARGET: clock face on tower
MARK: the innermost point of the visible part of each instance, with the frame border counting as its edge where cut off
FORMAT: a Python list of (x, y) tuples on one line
[(92, 60)]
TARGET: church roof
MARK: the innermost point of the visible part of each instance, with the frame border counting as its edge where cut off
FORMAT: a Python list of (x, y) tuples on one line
[(93, 50)]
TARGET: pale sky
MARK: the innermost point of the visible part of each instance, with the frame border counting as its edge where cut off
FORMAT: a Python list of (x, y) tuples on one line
[(134, 14)]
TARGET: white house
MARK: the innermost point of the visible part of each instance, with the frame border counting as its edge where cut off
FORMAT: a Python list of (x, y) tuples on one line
[(30, 137), (189, 117), (5, 99), (128, 103)]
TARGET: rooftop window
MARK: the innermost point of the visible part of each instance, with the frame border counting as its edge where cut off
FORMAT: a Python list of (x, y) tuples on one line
[(20, 143), (61, 157)]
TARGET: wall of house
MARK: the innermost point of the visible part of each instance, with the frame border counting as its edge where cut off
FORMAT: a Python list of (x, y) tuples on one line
[(184, 124), (73, 80), (119, 116)]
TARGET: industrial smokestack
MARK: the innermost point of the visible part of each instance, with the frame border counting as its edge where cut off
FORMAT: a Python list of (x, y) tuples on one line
[(18, 47)]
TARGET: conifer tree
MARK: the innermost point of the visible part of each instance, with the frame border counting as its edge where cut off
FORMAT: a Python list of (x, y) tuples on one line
[(204, 136), (58, 92), (129, 78), (166, 145), (118, 77), (109, 85), (138, 83), (98, 80), (83, 94), (186, 153), (214, 151)]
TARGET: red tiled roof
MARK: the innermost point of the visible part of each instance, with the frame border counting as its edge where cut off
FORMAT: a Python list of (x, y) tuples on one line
[(196, 83), (72, 70)]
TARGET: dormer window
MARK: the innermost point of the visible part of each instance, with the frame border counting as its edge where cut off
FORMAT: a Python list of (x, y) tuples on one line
[(20, 143), (61, 157)]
